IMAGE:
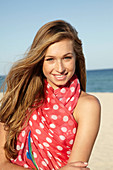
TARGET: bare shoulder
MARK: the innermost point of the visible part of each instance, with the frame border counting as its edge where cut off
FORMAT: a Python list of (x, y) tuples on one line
[(87, 105), (87, 115), (88, 99)]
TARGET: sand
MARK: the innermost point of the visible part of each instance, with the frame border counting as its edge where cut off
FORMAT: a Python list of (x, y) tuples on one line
[(102, 153)]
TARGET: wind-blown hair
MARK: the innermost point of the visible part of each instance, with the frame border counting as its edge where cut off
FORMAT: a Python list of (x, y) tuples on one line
[(25, 80)]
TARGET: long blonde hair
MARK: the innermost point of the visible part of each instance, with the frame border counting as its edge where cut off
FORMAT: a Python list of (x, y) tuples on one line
[(25, 80)]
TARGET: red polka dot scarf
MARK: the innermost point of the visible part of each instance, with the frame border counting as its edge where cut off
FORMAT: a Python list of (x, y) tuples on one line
[(47, 141)]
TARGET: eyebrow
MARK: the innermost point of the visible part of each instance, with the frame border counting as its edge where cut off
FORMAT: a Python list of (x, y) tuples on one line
[(68, 54), (63, 55)]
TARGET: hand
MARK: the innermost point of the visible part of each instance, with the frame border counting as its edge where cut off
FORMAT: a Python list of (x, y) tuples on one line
[(75, 166)]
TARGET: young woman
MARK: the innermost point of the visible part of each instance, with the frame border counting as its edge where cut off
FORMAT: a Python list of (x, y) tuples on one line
[(48, 121)]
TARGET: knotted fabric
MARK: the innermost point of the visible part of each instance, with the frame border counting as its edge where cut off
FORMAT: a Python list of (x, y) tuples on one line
[(47, 141)]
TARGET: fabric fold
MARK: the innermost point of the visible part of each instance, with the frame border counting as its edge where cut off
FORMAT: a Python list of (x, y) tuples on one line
[(47, 141)]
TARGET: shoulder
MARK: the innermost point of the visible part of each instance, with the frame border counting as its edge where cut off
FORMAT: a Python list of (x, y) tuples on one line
[(87, 100), (87, 106), (87, 115)]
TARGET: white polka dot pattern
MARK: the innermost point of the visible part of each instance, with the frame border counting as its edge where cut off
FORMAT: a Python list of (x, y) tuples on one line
[(51, 131), (72, 89), (49, 154), (18, 147), (68, 152), (44, 163), (65, 118), (59, 148), (74, 130), (43, 119), (58, 159), (26, 166), (23, 133), (35, 136), (38, 131), (52, 127), (40, 145), (31, 140), (19, 157), (72, 99), (50, 135), (35, 117), (46, 144), (30, 123), (71, 142), (63, 90), (59, 163), (64, 129), (67, 99), (54, 117), (41, 125), (69, 108), (62, 137), (35, 155), (49, 140), (48, 99), (22, 145), (55, 107)]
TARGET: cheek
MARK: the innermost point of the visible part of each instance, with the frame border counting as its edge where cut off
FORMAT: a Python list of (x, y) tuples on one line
[(74, 64), (71, 65), (46, 69)]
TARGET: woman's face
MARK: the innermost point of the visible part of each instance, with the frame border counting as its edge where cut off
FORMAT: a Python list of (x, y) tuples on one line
[(59, 63)]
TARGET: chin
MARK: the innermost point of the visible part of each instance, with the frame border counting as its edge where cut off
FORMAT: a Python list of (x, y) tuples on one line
[(61, 84)]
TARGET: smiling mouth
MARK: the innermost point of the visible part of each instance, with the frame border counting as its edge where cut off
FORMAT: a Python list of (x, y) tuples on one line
[(60, 77)]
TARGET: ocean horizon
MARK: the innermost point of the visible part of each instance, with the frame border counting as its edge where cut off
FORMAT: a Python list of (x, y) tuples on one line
[(100, 80)]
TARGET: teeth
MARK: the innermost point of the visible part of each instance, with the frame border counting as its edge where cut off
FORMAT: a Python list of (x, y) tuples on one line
[(59, 75)]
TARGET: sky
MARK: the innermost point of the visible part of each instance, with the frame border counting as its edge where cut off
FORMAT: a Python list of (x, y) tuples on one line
[(21, 19)]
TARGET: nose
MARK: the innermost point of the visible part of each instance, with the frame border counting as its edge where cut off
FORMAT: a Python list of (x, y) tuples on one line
[(60, 67)]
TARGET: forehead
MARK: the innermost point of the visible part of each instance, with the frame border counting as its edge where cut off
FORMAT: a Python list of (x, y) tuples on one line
[(61, 47)]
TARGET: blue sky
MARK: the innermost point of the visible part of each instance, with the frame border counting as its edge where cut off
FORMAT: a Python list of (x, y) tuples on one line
[(21, 19)]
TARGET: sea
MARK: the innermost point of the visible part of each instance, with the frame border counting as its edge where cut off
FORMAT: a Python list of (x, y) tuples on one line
[(97, 80)]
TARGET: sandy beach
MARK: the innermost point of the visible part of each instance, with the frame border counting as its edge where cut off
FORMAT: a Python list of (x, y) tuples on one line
[(102, 153)]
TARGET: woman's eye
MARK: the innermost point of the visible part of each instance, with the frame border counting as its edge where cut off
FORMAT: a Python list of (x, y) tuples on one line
[(49, 59), (67, 57)]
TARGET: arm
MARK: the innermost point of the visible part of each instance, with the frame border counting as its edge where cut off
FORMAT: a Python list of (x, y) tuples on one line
[(75, 166), (4, 163), (87, 114), (9, 166)]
